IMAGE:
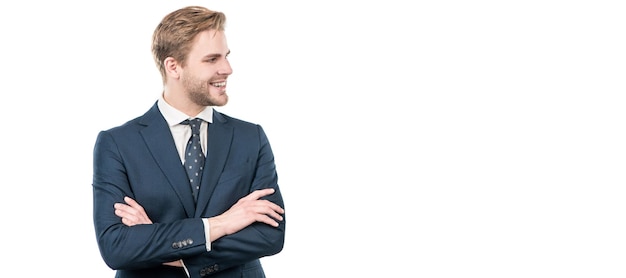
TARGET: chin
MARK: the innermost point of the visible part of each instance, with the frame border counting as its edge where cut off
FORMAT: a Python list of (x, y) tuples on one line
[(220, 101)]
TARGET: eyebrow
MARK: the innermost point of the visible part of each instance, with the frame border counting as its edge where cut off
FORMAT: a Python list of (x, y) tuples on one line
[(215, 55)]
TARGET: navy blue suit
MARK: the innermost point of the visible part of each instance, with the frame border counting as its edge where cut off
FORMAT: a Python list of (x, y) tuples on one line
[(139, 160)]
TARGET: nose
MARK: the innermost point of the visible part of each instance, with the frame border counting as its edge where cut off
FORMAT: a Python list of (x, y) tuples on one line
[(225, 68)]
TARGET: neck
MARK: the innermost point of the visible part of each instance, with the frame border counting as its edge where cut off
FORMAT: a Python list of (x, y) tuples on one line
[(178, 100)]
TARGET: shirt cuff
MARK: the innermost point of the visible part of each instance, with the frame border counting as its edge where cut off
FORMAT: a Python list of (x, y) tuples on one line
[(185, 268), (207, 233)]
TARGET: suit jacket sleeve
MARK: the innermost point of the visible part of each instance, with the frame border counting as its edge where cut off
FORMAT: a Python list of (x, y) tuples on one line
[(139, 246)]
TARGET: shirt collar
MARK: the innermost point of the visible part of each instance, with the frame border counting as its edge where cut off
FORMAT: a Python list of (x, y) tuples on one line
[(174, 116)]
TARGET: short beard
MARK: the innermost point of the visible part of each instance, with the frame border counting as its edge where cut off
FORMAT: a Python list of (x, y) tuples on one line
[(198, 92)]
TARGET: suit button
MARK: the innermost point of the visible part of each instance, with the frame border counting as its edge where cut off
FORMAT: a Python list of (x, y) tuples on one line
[(213, 268)]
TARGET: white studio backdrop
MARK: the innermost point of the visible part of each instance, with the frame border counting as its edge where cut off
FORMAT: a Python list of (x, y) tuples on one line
[(412, 139)]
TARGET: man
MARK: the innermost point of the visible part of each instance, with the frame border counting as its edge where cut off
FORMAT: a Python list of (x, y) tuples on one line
[(152, 219)]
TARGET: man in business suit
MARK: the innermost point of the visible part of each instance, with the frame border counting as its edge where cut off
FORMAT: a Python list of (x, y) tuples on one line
[(147, 218)]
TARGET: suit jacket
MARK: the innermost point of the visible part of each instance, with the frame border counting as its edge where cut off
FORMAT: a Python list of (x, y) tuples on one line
[(139, 159)]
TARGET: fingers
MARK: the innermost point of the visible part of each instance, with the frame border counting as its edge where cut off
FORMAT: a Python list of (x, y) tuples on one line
[(273, 212), (261, 206), (132, 203), (131, 213), (267, 220), (125, 212), (178, 263), (269, 208), (266, 212), (255, 195)]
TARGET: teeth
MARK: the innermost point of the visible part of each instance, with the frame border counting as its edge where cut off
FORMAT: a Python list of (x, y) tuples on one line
[(219, 84)]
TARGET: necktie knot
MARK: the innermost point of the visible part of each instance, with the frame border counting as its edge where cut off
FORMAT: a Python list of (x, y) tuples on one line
[(194, 124)]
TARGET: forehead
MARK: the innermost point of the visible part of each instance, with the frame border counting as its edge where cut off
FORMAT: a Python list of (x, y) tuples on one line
[(209, 42)]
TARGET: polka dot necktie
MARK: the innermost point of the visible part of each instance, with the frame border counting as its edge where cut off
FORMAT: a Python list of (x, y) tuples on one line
[(194, 157)]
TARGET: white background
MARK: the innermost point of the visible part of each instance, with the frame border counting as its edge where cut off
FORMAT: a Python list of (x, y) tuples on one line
[(412, 139)]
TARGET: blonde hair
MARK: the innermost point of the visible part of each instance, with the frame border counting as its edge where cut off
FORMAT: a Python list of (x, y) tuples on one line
[(174, 35)]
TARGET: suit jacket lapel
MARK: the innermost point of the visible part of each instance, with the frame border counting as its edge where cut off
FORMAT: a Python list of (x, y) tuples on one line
[(219, 141), (158, 138)]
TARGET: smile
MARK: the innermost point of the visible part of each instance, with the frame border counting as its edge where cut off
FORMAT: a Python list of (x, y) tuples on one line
[(219, 84)]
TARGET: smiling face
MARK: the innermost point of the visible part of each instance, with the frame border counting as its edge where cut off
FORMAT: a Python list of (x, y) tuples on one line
[(206, 69)]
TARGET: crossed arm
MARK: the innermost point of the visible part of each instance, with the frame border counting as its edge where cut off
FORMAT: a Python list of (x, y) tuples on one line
[(247, 210)]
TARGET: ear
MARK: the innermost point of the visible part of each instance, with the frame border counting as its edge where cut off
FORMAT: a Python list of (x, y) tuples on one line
[(171, 67)]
